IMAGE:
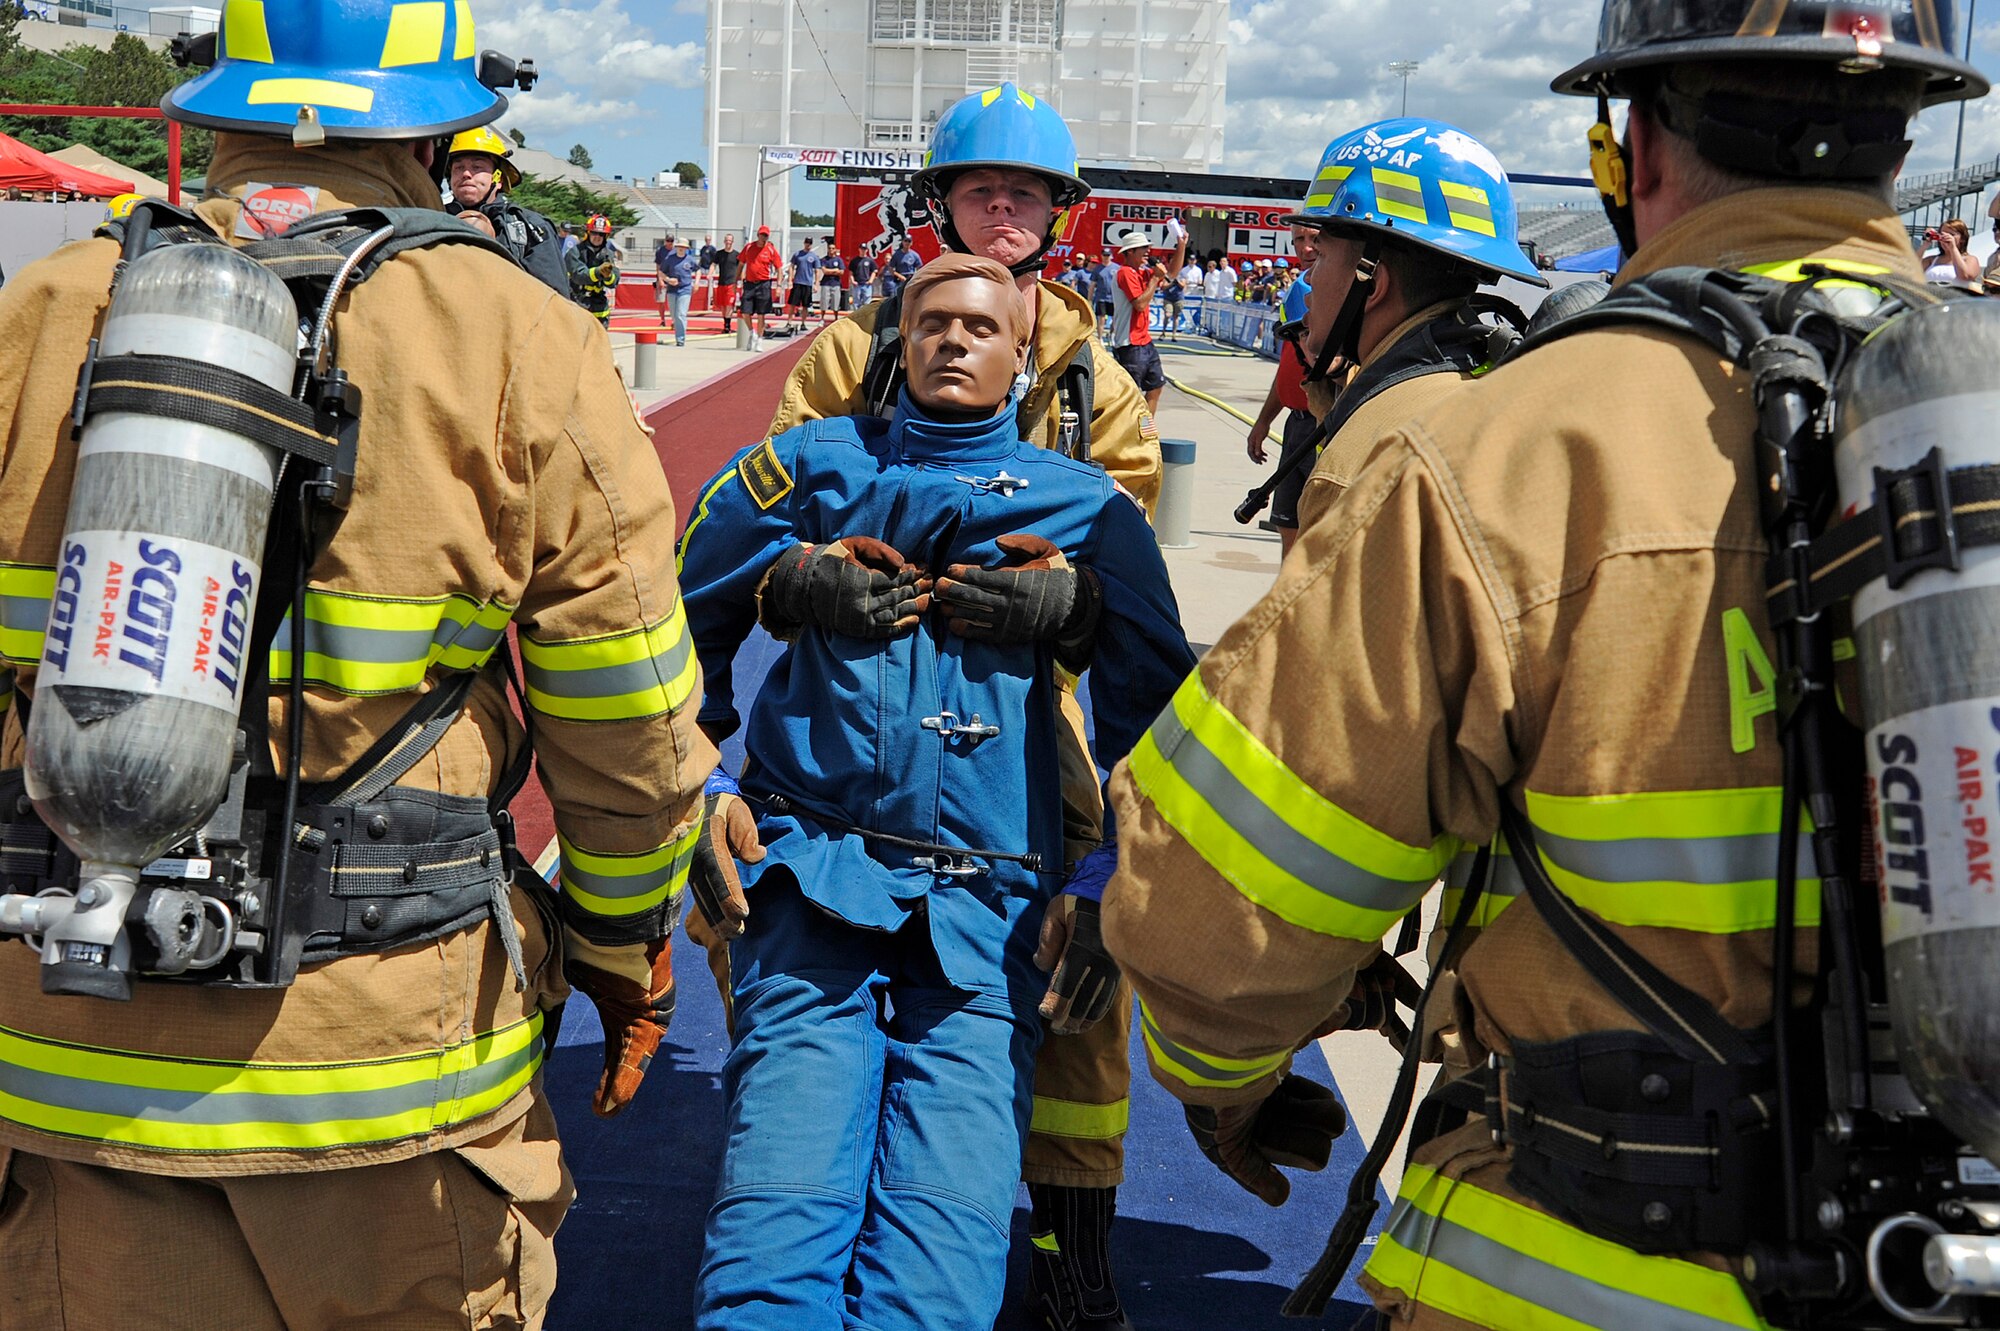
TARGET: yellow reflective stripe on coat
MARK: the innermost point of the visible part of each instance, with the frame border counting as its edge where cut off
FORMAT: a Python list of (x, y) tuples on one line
[(1200, 1069), (6, 691), (1703, 860), (1503, 885), (25, 590), (1469, 1253), (367, 645), (624, 677), (619, 885), (1280, 842), (1080, 1119), (158, 1103), (1399, 194)]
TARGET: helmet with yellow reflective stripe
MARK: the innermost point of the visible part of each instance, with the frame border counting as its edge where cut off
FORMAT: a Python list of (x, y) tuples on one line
[(485, 143), (1007, 128), (354, 69), (1856, 36), (1421, 183), (121, 207)]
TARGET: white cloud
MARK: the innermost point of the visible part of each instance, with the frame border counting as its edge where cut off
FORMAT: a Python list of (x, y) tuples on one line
[(596, 47), (1302, 72), (551, 111)]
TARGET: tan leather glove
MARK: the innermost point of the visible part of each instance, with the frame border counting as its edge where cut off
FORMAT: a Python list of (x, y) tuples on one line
[(1295, 1126), (728, 834), (633, 990)]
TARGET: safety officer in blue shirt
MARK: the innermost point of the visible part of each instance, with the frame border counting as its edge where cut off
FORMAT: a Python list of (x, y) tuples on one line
[(897, 840)]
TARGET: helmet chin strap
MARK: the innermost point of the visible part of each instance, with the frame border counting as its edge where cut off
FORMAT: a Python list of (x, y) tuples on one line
[(1612, 173), (1344, 338)]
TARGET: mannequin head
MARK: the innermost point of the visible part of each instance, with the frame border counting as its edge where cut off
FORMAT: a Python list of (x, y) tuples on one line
[(966, 334)]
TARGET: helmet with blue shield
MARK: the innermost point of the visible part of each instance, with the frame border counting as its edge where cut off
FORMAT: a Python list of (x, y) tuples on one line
[(1008, 129), (344, 69), (1420, 183)]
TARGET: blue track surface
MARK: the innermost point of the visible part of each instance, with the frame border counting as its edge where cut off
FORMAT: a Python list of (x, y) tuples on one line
[(1192, 1249)]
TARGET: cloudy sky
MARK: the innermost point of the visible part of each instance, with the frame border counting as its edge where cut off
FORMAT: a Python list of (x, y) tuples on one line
[(624, 78)]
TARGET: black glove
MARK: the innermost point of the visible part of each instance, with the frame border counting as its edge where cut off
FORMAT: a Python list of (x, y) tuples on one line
[(1033, 596), (1295, 1126), (728, 834), (1371, 1003), (857, 587), (1084, 978)]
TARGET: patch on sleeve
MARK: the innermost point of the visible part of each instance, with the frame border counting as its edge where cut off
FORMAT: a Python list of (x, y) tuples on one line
[(764, 476), (1149, 428)]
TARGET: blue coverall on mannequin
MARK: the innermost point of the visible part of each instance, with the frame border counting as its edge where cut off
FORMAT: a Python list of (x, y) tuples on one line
[(879, 1087)]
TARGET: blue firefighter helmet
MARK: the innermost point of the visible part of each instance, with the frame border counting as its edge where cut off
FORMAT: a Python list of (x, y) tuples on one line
[(1423, 183), (355, 69), (1007, 128)]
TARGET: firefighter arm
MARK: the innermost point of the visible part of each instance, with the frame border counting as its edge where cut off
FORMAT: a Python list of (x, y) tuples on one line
[(1309, 783), (827, 380), (1142, 654), (1123, 438), (611, 675), (741, 523)]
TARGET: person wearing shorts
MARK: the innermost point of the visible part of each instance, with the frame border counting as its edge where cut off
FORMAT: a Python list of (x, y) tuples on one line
[(1138, 278), (805, 269), (728, 266), (760, 270)]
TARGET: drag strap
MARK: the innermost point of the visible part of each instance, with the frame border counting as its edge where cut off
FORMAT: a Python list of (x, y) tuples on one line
[(1923, 516), (1683, 1019), (1342, 1246), (399, 748), (204, 394)]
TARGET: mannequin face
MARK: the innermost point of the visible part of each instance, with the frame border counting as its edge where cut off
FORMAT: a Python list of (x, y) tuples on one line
[(959, 348), (1001, 214)]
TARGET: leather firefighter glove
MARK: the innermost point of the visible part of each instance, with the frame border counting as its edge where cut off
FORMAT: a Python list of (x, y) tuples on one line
[(1371, 1004), (633, 989), (857, 587), (1033, 595), (1295, 1126), (728, 834), (1083, 978)]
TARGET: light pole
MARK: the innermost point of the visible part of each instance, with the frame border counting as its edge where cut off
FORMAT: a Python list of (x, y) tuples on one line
[(1971, 11), (1405, 68)]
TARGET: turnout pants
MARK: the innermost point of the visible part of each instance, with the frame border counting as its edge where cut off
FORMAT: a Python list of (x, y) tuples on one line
[(874, 1125), (460, 1240)]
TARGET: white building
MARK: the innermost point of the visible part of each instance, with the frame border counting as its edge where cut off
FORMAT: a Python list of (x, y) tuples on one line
[(1140, 81)]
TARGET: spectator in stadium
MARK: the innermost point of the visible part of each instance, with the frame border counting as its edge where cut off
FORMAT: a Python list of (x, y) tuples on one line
[(1288, 394), (761, 265), (804, 270), (1138, 279), (832, 281), (1218, 287), (677, 277), (861, 271), (1103, 287), (728, 278), (1190, 280), (902, 266), (1948, 259)]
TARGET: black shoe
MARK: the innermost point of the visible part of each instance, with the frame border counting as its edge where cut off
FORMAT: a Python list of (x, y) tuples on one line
[(1070, 1286)]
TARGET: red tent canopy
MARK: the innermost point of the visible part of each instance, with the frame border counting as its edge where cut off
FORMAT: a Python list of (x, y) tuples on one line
[(21, 167)]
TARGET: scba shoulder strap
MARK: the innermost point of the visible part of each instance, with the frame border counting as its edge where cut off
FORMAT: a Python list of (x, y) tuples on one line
[(1470, 340), (882, 379)]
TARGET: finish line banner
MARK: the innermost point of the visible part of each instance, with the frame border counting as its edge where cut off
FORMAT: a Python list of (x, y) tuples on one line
[(853, 159)]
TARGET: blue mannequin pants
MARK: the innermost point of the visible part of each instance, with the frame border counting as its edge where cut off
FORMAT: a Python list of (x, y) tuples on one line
[(876, 1116)]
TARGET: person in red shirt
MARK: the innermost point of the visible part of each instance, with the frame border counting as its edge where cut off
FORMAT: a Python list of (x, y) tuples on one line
[(761, 262), (1132, 313)]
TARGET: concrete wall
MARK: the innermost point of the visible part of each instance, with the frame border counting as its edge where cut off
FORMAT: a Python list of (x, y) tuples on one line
[(30, 230)]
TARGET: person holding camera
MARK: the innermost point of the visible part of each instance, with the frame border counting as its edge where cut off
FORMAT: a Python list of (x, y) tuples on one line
[(1132, 312), (1947, 259)]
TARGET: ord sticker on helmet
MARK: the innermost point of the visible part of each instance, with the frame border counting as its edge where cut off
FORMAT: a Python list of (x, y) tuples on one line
[(272, 210)]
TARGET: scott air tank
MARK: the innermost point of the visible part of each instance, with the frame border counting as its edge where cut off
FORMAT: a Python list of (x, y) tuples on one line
[(1928, 658), (131, 736)]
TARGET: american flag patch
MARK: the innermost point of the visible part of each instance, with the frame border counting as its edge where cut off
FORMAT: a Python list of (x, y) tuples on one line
[(1148, 428)]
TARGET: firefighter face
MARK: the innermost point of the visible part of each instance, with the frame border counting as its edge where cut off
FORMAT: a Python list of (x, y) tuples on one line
[(962, 347), (471, 179), (1332, 276), (1001, 214)]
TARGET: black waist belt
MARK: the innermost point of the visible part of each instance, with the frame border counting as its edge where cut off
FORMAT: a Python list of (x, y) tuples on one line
[(948, 860)]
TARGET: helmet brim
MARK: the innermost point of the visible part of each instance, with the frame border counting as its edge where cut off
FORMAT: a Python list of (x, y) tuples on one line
[(1064, 191), (1950, 79), (255, 98), (1474, 252)]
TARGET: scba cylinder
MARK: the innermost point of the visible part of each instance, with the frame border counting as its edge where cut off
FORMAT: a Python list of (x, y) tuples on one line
[(130, 739), (1928, 659)]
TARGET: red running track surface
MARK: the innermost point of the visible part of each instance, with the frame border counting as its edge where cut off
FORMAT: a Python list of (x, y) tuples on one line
[(694, 432)]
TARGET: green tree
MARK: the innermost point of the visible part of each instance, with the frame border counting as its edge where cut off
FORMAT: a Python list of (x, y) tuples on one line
[(811, 219), (128, 73), (568, 201), (520, 139), (690, 174), (580, 156)]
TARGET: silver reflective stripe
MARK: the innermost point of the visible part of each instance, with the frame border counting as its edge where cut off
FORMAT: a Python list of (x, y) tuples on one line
[(24, 614), (1398, 194), (221, 1108), (613, 681), (1728, 859), (1464, 207), (1535, 1281), (349, 642), (1192, 1061), (469, 636), (1277, 840), (620, 886)]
